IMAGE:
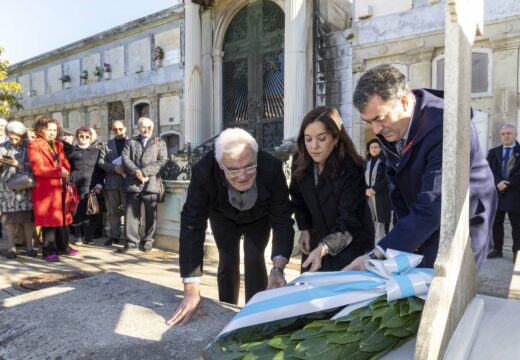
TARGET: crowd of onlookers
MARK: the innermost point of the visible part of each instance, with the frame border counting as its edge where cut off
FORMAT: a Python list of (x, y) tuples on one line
[(49, 175)]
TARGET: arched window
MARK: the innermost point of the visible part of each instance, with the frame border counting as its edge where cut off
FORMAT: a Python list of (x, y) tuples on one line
[(481, 72), (141, 109)]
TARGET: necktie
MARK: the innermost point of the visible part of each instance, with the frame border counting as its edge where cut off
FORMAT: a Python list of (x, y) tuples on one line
[(504, 162), (400, 146)]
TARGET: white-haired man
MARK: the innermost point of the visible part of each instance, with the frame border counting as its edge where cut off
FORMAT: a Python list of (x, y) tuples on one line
[(243, 192), (143, 159)]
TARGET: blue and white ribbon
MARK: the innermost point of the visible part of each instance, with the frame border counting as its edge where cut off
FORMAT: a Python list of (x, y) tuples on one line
[(397, 277)]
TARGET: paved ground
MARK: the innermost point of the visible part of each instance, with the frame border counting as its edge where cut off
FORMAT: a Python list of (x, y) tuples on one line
[(119, 312)]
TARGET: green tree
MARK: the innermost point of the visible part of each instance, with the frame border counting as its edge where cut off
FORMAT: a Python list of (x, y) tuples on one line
[(8, 89)]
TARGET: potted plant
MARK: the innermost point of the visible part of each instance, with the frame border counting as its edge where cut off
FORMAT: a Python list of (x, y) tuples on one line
[(98, 72), (65, 80), (84, 77), (107, 71), (158, 56)]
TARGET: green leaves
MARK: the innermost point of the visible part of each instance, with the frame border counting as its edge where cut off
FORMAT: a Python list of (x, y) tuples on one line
[(366, 333)]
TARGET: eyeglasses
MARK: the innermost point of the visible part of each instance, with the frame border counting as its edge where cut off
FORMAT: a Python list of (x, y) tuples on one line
[(83, 136), (250, 170)]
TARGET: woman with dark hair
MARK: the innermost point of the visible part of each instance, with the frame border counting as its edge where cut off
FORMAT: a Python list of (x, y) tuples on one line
[(87, 177), (328, 194), (377, 188), (51, 170), (16, 206)]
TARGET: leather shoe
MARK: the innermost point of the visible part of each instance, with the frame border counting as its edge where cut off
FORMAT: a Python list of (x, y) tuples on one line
[(111, 241), (495, 253), (128, 249)]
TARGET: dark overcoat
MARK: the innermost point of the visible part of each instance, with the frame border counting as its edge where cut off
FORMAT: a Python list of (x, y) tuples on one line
[(415, 182), (85, 174), (337, 204), (380, 186), (508, 200), (208, 198)]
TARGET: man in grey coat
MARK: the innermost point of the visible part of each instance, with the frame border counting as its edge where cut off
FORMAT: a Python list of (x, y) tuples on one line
[(111, 161), (143, 159)]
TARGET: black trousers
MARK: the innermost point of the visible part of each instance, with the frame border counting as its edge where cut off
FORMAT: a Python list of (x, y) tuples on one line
[(227, 236), (498, 229), (55, 240), (133, 216)]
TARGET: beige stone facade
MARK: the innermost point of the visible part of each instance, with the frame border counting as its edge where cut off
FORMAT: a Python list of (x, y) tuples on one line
[(413, 39), (137, 85)]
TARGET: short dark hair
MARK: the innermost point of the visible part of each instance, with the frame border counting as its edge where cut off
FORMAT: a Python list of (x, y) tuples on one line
[(83, 129), (368, 156), (344, 148), (42, 122), (383, 80)]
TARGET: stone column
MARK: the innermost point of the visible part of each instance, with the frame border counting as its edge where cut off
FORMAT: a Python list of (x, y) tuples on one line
[(454, 286), (154, 114), (128, 117), (207, 75), (296, 67), (84, 116), (217, 91), (192, 74)]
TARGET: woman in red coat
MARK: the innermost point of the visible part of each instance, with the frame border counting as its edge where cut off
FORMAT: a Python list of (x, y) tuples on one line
[(51, 169)]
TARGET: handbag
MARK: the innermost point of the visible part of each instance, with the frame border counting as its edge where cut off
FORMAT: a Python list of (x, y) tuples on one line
[(93, 207), (70, 197), (20, 182), (161, 197), (162, 193)]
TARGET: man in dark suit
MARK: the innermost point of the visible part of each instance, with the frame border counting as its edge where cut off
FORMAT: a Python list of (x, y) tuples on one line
[(504, 161), (110, 160), (242, 191), (409, 125)]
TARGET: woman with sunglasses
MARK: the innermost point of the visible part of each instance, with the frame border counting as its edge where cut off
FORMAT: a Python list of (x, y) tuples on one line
[(87, 177), (328, 193)]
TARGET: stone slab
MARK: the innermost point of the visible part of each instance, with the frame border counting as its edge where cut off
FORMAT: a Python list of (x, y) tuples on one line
[(499, 330), (107, 316)]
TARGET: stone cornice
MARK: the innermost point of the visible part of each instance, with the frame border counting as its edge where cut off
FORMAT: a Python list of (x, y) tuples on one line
[(82, 105)]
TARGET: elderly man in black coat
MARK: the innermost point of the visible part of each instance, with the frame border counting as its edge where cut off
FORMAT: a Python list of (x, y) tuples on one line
[(504, 161), (243, 192)]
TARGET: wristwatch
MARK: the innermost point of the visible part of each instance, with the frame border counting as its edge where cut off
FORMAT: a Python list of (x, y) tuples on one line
[(277, 269)]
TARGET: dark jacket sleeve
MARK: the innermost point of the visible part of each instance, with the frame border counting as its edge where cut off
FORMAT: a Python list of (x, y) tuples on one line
[(103, 163), (351, 207), (129, 166), (301, 212), (424, 218), (194, 218), (280, 215), (381, 182)]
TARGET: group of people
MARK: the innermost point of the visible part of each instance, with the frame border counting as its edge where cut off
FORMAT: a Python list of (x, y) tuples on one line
[(121, 173), (335, 197)]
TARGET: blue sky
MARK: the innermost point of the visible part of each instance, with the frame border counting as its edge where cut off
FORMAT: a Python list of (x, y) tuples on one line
[(32, 27)]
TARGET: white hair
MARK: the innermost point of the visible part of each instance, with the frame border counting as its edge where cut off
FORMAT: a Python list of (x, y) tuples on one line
[(144, 120), (16, 127), (508, 126), (231, 141)]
